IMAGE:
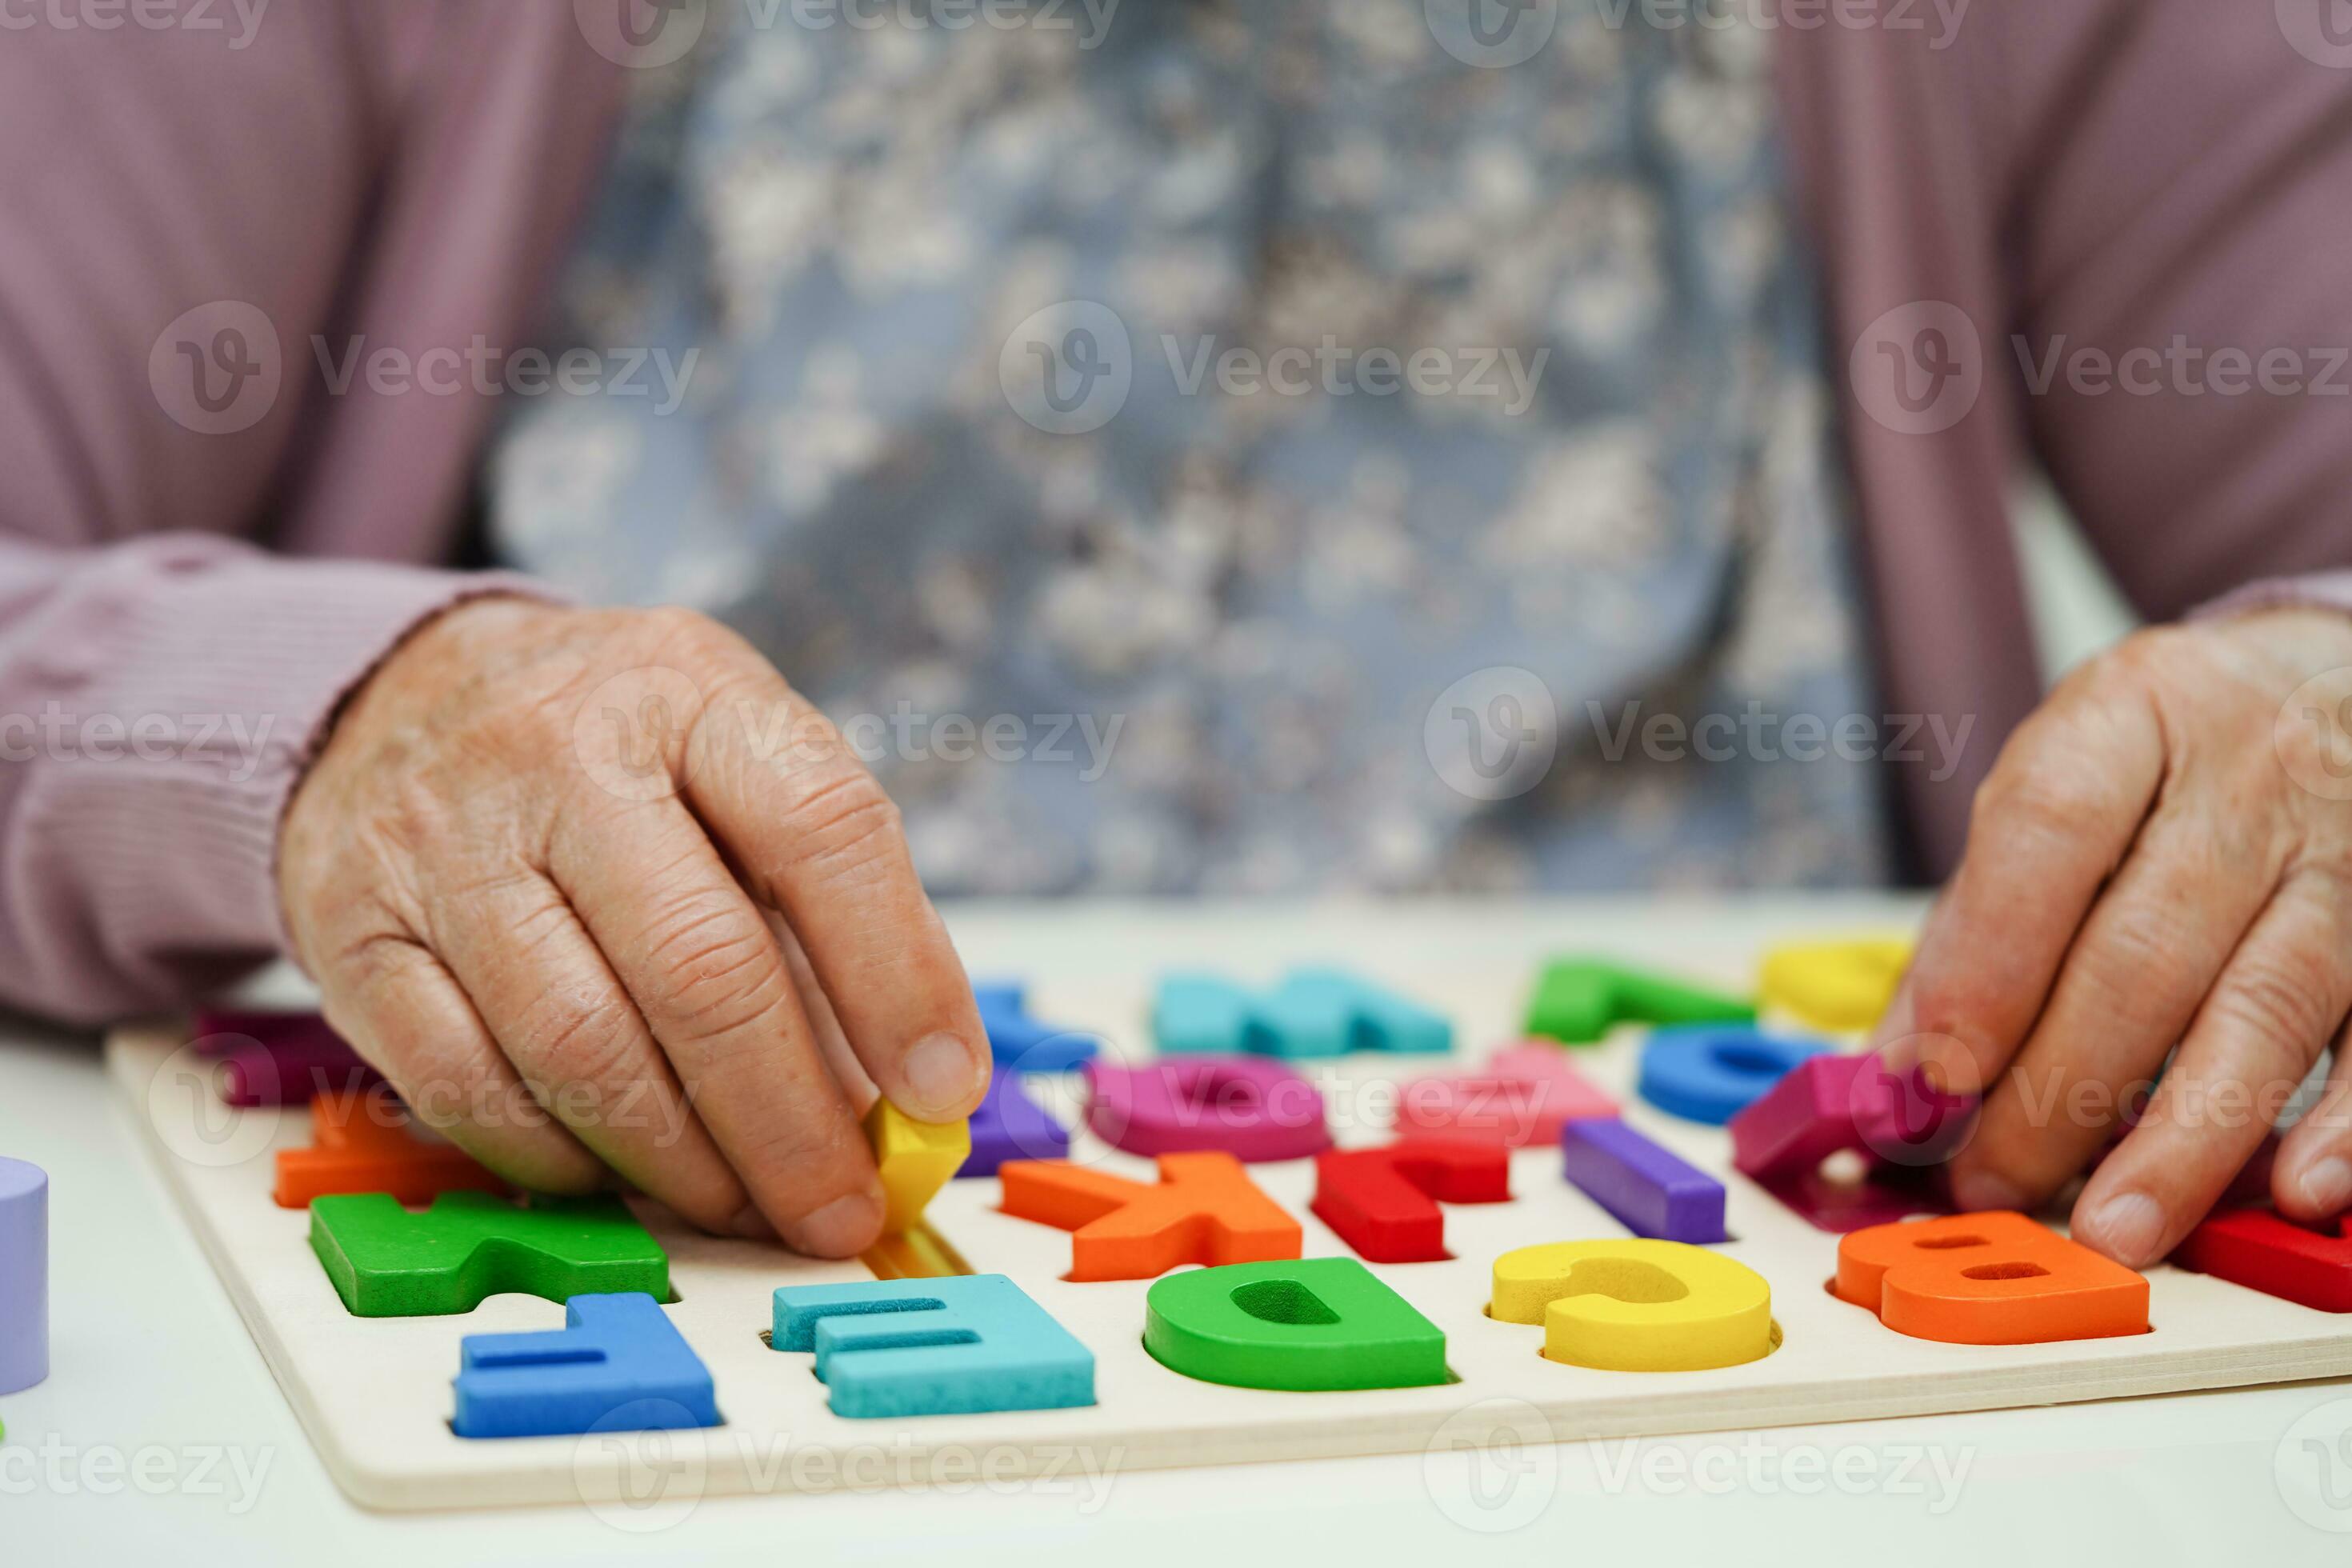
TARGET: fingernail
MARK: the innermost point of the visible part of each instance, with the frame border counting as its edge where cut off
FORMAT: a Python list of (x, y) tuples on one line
[(941, 1074), (2128, 1226), (843, 1228), (2327, 1187), (1979, 1191), (752, 1225)]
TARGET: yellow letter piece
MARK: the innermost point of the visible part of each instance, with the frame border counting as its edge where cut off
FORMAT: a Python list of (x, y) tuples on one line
[(1835, 984), (916, 1159), (1636, 1305)]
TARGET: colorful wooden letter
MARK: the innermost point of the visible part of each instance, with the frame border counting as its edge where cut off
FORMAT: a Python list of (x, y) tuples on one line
[(937, 1347), (1637, 1306), (1524, 1096), (2256, 1248), (1993, 1278), (1009, 1125), (617, 1364), (1204, 1210), (916, 1159), (1384, 1202), (1650, 1191), (359, 1143), (1579, 1000), (1709, 1073), (1841, 985), (1254, 1110), (386, 1262), (1832, 1104), (1313, 1013), (278, 1059), (23, 1275), (1304, 1327), (1019, 1043)]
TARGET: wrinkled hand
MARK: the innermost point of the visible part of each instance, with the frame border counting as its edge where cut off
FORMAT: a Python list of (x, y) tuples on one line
[(596, 889), (2161, 856)]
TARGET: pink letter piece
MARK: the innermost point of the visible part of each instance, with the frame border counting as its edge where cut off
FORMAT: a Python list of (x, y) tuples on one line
[(1248, 1107), (1527, 1093)]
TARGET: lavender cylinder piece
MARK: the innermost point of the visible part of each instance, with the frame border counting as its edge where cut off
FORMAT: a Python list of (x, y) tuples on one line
[(1651, 1192), (23, 1275)]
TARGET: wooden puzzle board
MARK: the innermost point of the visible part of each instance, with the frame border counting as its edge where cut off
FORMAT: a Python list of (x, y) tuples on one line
[(374, 1393)]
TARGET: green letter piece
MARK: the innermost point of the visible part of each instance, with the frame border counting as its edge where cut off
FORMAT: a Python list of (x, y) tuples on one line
[(1307, 1326), (1577, 1000), (386, 1262)]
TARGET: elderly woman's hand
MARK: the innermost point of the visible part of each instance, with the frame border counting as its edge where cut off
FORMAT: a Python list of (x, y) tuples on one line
[(596, 888), (2161, 858)]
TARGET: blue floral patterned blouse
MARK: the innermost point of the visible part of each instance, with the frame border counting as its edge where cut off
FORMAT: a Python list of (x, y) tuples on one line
[(1207, 446)]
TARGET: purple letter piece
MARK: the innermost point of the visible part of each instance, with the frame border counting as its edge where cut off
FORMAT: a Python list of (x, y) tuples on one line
[(23, 1275), (1650, 1191), (1009, 1125)]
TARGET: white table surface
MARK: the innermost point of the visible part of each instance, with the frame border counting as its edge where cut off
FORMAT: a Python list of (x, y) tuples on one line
[(130, 1452)]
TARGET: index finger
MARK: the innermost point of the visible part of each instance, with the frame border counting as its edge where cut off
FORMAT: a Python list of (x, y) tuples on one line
[(813, 835), (2050, 825)]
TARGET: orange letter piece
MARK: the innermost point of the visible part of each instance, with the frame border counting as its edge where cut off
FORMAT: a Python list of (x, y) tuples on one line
[(1206, 1210), (1994, 1279), (356, 1148)]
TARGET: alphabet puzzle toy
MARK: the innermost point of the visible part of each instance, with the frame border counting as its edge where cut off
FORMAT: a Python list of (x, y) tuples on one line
[(1327, 1216)]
